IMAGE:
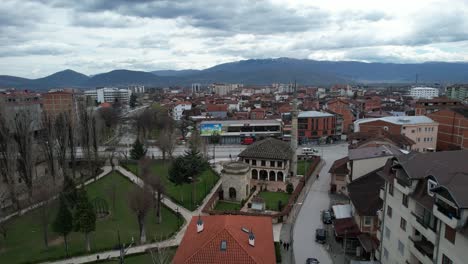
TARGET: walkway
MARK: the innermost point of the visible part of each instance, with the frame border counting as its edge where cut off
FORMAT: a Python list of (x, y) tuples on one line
[(174, 241)]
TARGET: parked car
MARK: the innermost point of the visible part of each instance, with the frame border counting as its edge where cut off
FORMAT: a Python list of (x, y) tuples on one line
[(320, 235), (326, 217), (312, 261), (309, 151)]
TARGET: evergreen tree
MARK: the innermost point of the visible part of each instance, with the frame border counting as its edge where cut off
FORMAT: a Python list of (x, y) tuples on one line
[(69, 191), (188, 166), (132, 101), (289, 188), (63, 223), (84, 217), (138, 151)]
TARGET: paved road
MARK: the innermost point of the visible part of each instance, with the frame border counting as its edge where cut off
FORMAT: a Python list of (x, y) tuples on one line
[(317, 200)]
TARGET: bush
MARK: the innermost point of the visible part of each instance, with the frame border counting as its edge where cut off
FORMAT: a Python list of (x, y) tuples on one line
[(280, 205), (289, 188), (278, 252)]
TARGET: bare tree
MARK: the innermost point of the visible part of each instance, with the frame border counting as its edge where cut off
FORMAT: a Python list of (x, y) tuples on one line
[(8, 160), (94, 138), (85, 138), (166, 143), (141, 203), (62, 136), (161, 256), (3, 213), (48, 144), (44, 195), (72, 147), (156, 184), (23, 135)]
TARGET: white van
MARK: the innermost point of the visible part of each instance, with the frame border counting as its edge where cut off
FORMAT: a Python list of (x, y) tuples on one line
[(309, 151)]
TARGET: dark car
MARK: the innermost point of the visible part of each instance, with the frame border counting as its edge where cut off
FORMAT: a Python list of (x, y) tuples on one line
[(326, 217), (312, 261), (320, 236)]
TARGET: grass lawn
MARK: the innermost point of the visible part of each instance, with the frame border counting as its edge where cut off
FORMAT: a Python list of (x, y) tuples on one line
[(24, 241), (142, 258), (272, 198), (182, 193), (222, 206), (302, 166)]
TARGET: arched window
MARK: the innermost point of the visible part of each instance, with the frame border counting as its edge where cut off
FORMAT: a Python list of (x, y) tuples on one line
[(232, 193), (255, 174), (272, 176), (280, 176), (263, 175)]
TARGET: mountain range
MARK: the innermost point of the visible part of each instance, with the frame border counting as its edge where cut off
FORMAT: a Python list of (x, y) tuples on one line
[(257, 71)]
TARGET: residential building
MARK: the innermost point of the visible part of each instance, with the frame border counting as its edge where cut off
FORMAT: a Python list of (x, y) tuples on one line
[(338, 173), (379, 138), (217, 110), (196, 88), (223, 89), (227, 239), (138, 89), (428, 106), (109, 95), (314, 125), (424, 92), (421, 129), (258, 113), (453, 128), (458, 92), (425, 209), (269, 159), (13, 102), (342, 108), (179, 108), (55, 103), (235, 131)]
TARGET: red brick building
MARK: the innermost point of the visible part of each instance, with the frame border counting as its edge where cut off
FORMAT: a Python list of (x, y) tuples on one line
[(55, 103), (227, 239), (428, 106), (453, 128), (313, 125), (342, 108), (258, 113)]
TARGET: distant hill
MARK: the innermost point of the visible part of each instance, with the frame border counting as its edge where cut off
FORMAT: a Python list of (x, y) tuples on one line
[(258, 71)]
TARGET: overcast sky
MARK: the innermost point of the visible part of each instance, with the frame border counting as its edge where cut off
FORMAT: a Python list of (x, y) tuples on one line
[(40, 37)]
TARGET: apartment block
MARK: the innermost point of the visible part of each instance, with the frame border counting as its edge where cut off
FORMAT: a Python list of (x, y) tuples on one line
[(458, 91), (425, 209), (453, 128)]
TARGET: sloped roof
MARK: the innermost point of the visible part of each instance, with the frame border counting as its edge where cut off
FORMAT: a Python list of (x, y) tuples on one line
[(340, 166), (269, 148), (364, 193), (398, 140), (205, 247)]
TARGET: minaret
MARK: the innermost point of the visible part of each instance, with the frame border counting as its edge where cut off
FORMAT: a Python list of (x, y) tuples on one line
[(294, 132)]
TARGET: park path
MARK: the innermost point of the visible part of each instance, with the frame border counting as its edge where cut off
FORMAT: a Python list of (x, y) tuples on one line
[(105, 170), (173, 241)]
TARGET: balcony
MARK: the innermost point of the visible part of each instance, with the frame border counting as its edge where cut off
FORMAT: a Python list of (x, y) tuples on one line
[(382, 193), (423, 250), (423, 227), (446, 215)]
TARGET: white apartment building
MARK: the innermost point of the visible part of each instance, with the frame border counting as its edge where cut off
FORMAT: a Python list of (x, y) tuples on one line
[(425, 209), (224, 89), (424, 92), (109, 95), (179, 109)]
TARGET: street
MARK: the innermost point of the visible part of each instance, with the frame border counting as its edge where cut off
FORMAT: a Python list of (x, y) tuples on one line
[(309, 217)]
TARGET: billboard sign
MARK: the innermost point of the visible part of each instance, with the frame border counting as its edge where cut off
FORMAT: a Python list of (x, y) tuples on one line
[(210, 129)]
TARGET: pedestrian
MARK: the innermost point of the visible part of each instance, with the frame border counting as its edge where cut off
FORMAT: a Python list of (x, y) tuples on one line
[(230, 156), (287, 246), (281, 242), (284, 246)]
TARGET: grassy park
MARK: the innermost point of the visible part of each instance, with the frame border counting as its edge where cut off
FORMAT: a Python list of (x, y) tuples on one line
[(182, 194), (272, 198), (303, 166), (24, 241), (143, 258), (227, 206)]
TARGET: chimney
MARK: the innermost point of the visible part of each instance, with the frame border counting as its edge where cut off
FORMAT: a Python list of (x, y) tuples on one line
[(200, 225), (251, 238)]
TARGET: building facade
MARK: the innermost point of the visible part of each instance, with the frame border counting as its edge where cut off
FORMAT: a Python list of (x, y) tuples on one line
[(424, 92), (342, 108), (458, 92), (453, 128), (428, 106), (109, 95), (55, 103), (179, 109), (425, 211), (235, 181), (313, 125), (421, 129)]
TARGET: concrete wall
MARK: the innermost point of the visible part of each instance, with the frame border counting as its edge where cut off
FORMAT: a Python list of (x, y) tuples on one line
[(364, 166)]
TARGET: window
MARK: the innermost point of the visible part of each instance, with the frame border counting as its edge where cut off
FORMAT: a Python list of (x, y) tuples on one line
[(367, 221), (425, 129), (446, 260), (387, 232), (412, 131), (403, 224), (279, 164), (419, 129), (401, 247), (389, 211), (390, 189), (450, 234), (254, 162), (272, 163), (385, 253), (263, 163), (247, 161), (419, 140), (404, 200)]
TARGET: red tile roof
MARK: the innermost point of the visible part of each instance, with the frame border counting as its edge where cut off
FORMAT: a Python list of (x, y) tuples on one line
[(205, 247), (216, 108)]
